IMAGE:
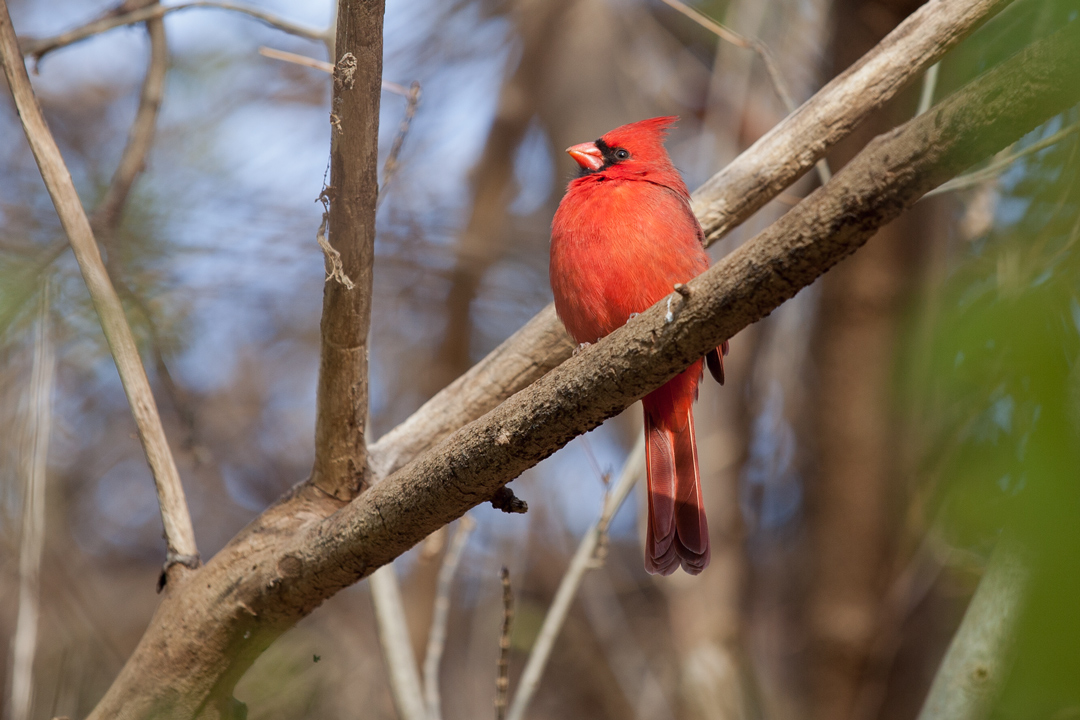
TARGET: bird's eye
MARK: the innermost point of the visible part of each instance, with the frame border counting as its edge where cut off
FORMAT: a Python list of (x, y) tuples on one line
[(622, 154)]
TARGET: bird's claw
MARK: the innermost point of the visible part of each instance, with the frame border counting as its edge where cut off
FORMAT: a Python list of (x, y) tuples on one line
[(684, 293), (581, 347)]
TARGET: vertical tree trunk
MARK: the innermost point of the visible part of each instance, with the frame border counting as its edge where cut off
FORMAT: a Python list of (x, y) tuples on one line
[(342, 397), (853, 424)]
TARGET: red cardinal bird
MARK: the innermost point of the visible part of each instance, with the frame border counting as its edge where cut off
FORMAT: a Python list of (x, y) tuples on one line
[(622, 237)]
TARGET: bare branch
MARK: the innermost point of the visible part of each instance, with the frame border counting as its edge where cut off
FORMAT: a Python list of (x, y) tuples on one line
[(179, 534), (341, 467), (502, 675), (141, 135), (297, 59), (929, 84), (328, 68), (396, 644), (106, 215), (391, 164), (584, 558), (32, 530), (37, 48), (441, 615), (977, 660)]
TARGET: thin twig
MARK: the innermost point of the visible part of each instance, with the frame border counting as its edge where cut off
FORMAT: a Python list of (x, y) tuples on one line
[(779, 84), (296, 59), (179, 535), (106, 215), (439, 617), (502, 679), (396, 644), (37, 48), (391, 164), (588, 555), (141, 135), (929, 84), (39, 423), (995, 168), (322, 65)]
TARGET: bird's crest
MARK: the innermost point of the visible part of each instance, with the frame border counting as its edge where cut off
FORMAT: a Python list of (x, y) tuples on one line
[(644, 137)]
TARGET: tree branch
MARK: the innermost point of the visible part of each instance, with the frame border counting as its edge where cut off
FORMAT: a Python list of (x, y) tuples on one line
[(396, 645), (342, 396), (106, 215), (24, 642), (37, 48), (977, 660), (440, 616), (310, 545), (179, 535)]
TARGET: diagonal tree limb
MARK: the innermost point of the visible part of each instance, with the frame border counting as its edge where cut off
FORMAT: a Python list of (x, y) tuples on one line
[(179, 535), (341, 468), (106, 215), (309, 545), (728, 199), (977, 661)]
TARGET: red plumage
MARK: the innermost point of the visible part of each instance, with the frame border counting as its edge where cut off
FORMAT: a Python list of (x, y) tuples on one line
[(622, 237)]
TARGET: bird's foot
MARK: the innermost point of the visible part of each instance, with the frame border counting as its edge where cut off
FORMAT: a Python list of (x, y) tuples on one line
[(580, 348)]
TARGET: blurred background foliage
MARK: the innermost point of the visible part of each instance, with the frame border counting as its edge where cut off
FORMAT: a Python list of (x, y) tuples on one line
[(879, 432)]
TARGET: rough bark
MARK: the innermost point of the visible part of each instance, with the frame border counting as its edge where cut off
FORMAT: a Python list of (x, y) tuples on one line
[(208, 630), (342, 396)]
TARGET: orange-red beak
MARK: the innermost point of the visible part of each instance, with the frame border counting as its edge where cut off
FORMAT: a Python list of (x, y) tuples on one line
[(587, 155)]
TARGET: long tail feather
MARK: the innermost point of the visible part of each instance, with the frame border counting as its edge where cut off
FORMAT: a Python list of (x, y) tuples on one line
[(678, 533), (715, 361)]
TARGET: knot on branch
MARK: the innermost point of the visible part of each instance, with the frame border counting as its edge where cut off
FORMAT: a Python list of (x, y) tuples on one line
[(504, 499)]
